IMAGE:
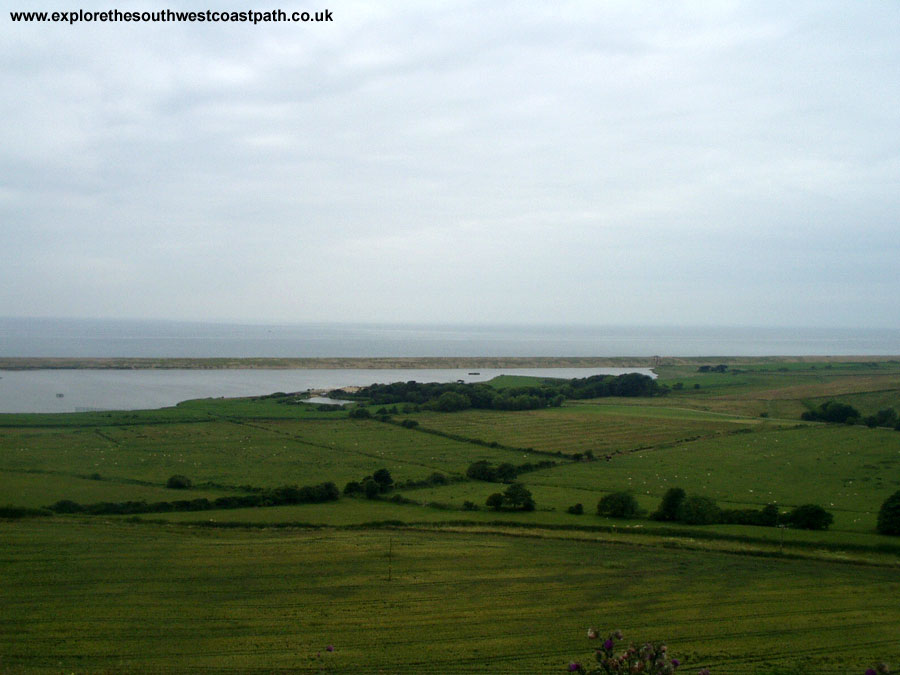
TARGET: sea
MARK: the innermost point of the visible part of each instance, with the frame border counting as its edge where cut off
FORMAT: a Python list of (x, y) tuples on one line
[(72, 390)]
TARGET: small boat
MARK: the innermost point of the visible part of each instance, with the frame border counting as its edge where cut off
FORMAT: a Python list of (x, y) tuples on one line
[(59, 395), (474, 373)]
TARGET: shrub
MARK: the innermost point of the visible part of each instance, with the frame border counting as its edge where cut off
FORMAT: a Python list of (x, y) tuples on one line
[(384, 480), (16, 512), (66, 506), (371, 489), (495, 501), (575, 509), (470, 506), (699, 511), (769, 515), (360, 413), (482, 470), (809, 517), (832, 411), (889, 515), (353, 488), (618, 505), (450, 401), (650, 658), (517, 496), (178, 482), (668, 507), (409, 424)]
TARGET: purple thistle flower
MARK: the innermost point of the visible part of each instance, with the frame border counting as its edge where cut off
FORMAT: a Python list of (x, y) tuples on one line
[(871, 671), (608, 644), (329, 648), (676, 662), (574, 666)]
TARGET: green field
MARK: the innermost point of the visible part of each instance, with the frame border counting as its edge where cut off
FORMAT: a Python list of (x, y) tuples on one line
[(417, 581), (86, 597)]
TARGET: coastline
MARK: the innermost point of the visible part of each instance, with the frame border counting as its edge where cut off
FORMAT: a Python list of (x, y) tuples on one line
[(409, 363)]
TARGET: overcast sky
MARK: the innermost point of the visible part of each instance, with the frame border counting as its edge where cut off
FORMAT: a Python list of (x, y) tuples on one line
[(592, 162)]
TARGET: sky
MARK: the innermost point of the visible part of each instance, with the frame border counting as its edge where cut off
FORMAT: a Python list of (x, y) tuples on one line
[(619, 162)]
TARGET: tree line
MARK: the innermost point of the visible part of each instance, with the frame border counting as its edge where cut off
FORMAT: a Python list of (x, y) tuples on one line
[(279, 496), (843, 413), (450, 397), (678, 507)]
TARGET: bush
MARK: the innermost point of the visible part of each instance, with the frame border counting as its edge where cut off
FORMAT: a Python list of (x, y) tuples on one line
[(353, 488), (834, 412), (889, 515), (699, 511), (668, 507), (575, 509), (371, 489), (450, 401), (16, 512), (409, 424), (650, 658), (495, 501), (482, 470), (178, 482), (809, 517), (516, 497), (769, 515), (618, 505), (66, 506), (384, 480), (360, 413)]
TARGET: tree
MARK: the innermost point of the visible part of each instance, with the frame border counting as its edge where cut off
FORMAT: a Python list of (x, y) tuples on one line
[(450, 401), (495, 501), (769, 515), (384, 480), (889, 515), (618, 505), (178, 482), (699, 511), (832, 411), (505, 472), (809, 517), (668, 507), (481, 470), (353, 488), (518, 497), (370, 487)]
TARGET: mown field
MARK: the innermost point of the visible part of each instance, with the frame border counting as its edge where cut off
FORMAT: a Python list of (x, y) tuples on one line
[(119, 597), (418, 581)]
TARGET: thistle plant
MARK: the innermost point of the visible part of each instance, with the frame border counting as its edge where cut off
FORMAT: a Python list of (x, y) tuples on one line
[(880, 669), (651, 658)]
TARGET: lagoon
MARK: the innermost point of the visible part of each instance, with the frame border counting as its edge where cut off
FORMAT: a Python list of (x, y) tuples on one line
[(38, 391)]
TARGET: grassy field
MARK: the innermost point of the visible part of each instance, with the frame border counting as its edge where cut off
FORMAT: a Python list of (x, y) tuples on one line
[(86, 597), (425, 584), (582, 428)]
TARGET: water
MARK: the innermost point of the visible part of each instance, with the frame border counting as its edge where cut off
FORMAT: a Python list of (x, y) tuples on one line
[(37, 390), (117, 338)]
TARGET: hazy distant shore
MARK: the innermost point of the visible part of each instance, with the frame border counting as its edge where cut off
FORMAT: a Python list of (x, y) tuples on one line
[(45, 363)]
